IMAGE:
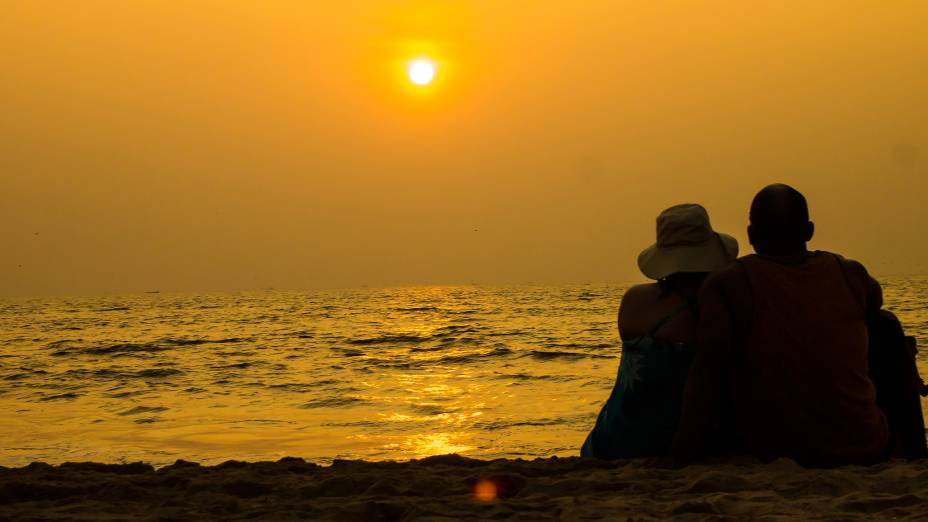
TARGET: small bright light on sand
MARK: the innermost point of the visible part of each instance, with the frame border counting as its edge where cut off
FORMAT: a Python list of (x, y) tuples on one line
[(485, 491), (421, 71)]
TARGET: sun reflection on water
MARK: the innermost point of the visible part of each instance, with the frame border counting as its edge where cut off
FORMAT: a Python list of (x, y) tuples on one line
[(426, 445)]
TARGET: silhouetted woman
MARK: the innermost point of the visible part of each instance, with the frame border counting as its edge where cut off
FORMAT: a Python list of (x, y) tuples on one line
[(657, 324)]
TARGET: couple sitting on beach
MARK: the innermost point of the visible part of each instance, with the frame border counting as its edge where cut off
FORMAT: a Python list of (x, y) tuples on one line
[(782, 353)]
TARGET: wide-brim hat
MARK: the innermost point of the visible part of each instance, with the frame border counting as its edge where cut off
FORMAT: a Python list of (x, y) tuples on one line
[(686, 243)]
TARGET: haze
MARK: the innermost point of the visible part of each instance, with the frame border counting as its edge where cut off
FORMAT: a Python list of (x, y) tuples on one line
[(230, 145)]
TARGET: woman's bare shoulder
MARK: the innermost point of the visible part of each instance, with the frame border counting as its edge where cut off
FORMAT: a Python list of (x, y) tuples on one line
[(636, 308), (647, 291)]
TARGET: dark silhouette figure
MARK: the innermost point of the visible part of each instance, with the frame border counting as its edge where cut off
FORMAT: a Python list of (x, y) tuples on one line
[(899, 387), (657, 323), (783, 358)]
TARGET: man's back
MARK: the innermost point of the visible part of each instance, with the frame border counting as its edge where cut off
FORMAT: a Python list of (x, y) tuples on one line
[(799, 374), (782, 336)]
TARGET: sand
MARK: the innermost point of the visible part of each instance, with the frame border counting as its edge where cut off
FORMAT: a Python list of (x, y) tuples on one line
[(447, 488)]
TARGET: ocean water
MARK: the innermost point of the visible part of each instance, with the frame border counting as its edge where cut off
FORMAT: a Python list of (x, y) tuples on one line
[(392, 373)]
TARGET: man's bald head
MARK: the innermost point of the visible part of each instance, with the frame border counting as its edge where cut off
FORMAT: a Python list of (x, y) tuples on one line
[(779, 221)]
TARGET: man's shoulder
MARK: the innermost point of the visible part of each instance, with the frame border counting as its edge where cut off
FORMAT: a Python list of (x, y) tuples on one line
[(854, 269), (854, 266), (861, 282), (730, 275)]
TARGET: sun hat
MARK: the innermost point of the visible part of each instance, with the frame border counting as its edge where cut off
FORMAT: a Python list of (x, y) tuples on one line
[(686, 243)]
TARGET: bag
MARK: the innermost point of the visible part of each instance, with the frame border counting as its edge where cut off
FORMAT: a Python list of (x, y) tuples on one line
[(899, 387)]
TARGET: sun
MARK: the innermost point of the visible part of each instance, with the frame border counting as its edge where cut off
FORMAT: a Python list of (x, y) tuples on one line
[(421, 71)]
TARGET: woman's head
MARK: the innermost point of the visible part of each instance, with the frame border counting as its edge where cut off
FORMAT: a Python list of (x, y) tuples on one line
[(686, 244)]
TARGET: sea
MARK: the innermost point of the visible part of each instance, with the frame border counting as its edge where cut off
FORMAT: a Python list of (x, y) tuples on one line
[(375, 374)]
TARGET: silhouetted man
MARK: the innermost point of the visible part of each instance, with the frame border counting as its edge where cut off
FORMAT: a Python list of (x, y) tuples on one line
[(783, 341)]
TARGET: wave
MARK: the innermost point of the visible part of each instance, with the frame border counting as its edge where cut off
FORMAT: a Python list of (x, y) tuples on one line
[(348, 352), (194, 342), (110, 373), (402, 362), (503, 424), (143, 409), (528, 377), (500, 351), (70, 347), (156, 373), (430, 410), (235, 353), (506, 334), (302, 387), (597, 346), (386, 364), (121, 348), (233, 366), (547, 355), (427, 349), (292, 387), (102, 373), (60, 396), (355, 424), (390, 339), (418, 309), (459, 340), (334, 402), (452, 329), (123, 395)]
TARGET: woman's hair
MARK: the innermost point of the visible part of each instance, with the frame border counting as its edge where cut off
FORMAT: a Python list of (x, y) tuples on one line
[(676, 281)]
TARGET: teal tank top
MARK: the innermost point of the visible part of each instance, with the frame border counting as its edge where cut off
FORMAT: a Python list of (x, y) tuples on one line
[(641, 415)]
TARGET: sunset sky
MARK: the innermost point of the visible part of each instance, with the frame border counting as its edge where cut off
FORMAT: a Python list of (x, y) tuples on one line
[(226, 145)]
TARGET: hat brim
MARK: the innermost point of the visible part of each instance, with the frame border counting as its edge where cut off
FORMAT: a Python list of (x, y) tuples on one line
[(659, 262)]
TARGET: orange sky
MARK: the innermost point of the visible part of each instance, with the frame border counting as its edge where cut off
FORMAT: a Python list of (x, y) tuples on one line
[(224, 145)]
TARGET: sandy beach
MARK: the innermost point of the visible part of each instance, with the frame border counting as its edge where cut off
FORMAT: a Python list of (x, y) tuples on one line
[(451, 487)]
